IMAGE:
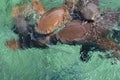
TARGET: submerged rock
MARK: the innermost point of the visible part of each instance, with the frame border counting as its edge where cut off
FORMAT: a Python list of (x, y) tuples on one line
[(52, 19), (89, 9), (110, 21)]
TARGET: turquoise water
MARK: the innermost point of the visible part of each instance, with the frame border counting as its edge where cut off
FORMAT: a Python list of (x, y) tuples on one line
[(59, 62)]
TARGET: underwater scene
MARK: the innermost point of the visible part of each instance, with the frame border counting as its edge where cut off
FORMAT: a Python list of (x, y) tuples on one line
[(59, 39)]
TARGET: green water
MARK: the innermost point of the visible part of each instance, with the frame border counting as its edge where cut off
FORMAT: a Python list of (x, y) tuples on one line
[(59, 62)]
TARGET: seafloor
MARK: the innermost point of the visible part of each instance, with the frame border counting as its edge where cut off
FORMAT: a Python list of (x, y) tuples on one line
[(59, 62)]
